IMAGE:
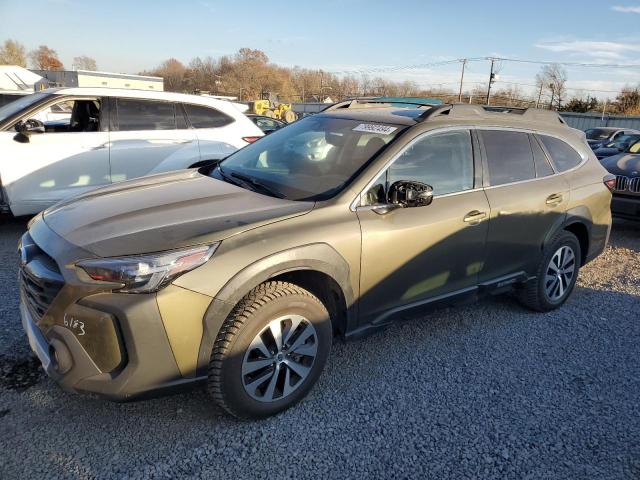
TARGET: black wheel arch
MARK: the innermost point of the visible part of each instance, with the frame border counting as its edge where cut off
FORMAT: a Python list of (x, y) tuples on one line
[(305, 266), (579, 222)]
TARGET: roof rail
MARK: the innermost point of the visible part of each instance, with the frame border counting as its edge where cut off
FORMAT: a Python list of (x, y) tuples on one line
[(377, 101), (464, 110)]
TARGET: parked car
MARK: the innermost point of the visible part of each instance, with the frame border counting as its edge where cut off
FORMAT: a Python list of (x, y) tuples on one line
[(62, 142), (626, 191), (620, 144), (599, 137), (266, 124), (238, 275)]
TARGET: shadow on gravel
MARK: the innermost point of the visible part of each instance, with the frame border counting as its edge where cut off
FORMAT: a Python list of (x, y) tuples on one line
[(625, 234), (19, 374)]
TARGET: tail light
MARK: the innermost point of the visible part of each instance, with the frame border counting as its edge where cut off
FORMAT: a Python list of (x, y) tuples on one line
[(610, 181), (250, 139)]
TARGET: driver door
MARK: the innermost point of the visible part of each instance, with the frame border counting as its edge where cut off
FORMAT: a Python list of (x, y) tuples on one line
[(69, 158), (411, 256)]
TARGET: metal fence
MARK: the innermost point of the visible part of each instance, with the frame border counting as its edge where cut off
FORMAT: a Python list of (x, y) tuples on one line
[(582, 121)]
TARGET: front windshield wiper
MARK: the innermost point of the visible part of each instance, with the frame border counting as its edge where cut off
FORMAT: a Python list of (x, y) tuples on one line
[(257, 184)]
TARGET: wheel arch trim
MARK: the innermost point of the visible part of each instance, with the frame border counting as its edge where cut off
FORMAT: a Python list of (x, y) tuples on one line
[(319, 257)]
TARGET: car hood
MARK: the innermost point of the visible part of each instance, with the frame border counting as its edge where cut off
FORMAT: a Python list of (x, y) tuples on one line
[(627, 164), (163, 212)]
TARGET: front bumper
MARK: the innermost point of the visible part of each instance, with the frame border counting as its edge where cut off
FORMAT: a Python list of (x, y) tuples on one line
[(626, 206), (148, 367), (89, 339)]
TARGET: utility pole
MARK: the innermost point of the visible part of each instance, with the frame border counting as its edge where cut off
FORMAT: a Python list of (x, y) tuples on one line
[(492, 78), (604, 108), (464, 63), (539, 95), (553, 93)]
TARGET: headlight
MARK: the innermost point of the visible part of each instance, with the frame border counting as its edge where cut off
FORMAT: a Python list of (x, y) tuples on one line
[(146, 273)]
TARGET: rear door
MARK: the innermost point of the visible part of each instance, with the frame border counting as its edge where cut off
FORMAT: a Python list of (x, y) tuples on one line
[(150, 136), (218, 133), (526, 198)]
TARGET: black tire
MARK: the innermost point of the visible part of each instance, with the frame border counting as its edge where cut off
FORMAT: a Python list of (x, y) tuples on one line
[(534, 293), (250, 319)]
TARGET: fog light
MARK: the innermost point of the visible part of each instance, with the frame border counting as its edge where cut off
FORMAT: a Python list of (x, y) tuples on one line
[(60, 356)]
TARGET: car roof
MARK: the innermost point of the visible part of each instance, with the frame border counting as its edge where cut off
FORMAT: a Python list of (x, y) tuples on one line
[(380, 114), (142, 94), (459, 114)]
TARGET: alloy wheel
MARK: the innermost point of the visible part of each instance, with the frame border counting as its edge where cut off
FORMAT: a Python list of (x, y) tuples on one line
[(279, 358), (560, 273)]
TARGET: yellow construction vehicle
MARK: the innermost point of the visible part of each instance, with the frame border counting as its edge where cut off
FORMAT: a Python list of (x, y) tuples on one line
[(281, 111)]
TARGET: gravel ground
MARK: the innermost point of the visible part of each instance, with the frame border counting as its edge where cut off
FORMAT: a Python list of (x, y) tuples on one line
[(483, 391)]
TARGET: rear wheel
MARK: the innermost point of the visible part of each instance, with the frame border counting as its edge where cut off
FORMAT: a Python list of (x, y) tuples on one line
[(270, 351), (556, 276)]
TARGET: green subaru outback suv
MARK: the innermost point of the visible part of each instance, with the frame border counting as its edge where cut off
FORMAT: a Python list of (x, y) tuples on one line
[(240, 274)]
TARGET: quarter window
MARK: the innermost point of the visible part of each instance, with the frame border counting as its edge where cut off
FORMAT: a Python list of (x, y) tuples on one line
[(563, 156), (205, 117), (442, 160), (145, 115), (509, 156)]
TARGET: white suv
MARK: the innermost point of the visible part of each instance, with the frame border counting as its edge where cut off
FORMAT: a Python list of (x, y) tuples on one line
[(61, 142)]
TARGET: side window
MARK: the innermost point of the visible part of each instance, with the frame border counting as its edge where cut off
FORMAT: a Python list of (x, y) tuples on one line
[(442, 160), (70, 116), (145, 115), (563, 156), (181, 119), (543, 167), (509, 156), (206, 117)]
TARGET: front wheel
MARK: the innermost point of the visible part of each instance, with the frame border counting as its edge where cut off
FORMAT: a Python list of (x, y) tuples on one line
[(270, 351), (556, 276)]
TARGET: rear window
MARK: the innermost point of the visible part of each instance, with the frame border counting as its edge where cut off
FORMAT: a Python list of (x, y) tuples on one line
[(563, 156), (509, 156), (136, 115), (598, 133), (206, 117)]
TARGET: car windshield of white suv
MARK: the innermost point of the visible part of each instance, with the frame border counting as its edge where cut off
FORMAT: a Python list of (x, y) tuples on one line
[(16, 106), (312, 159)]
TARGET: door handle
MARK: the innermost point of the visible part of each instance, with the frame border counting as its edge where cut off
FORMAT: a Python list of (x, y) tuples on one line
[(474, 217), (554, 199)]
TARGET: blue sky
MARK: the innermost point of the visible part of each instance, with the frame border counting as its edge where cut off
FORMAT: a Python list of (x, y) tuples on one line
[(345, 35)]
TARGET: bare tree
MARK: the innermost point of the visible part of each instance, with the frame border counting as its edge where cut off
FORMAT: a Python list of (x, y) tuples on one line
[(45, 58), (552, 79), (13, 53), (173, 72), (84, 63)]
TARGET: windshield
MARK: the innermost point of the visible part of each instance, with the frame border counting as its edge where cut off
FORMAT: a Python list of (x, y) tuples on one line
[(311, 159), (14, 107), (623, 141), (598, 133)]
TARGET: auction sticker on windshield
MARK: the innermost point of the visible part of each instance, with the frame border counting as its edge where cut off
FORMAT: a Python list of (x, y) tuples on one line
[(373, 128)]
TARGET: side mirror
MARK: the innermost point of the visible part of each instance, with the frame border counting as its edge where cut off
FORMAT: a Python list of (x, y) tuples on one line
[(28, 127), (407, 194)]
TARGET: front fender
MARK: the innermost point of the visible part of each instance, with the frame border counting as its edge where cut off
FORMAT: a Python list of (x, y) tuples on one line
[(319, 257)]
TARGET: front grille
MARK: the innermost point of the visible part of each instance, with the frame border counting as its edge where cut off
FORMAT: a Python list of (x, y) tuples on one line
[(627, 184), (621, 183), (40, 278)]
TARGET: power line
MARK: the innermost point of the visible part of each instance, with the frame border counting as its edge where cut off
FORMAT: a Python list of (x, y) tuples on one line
[(383, 69)]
